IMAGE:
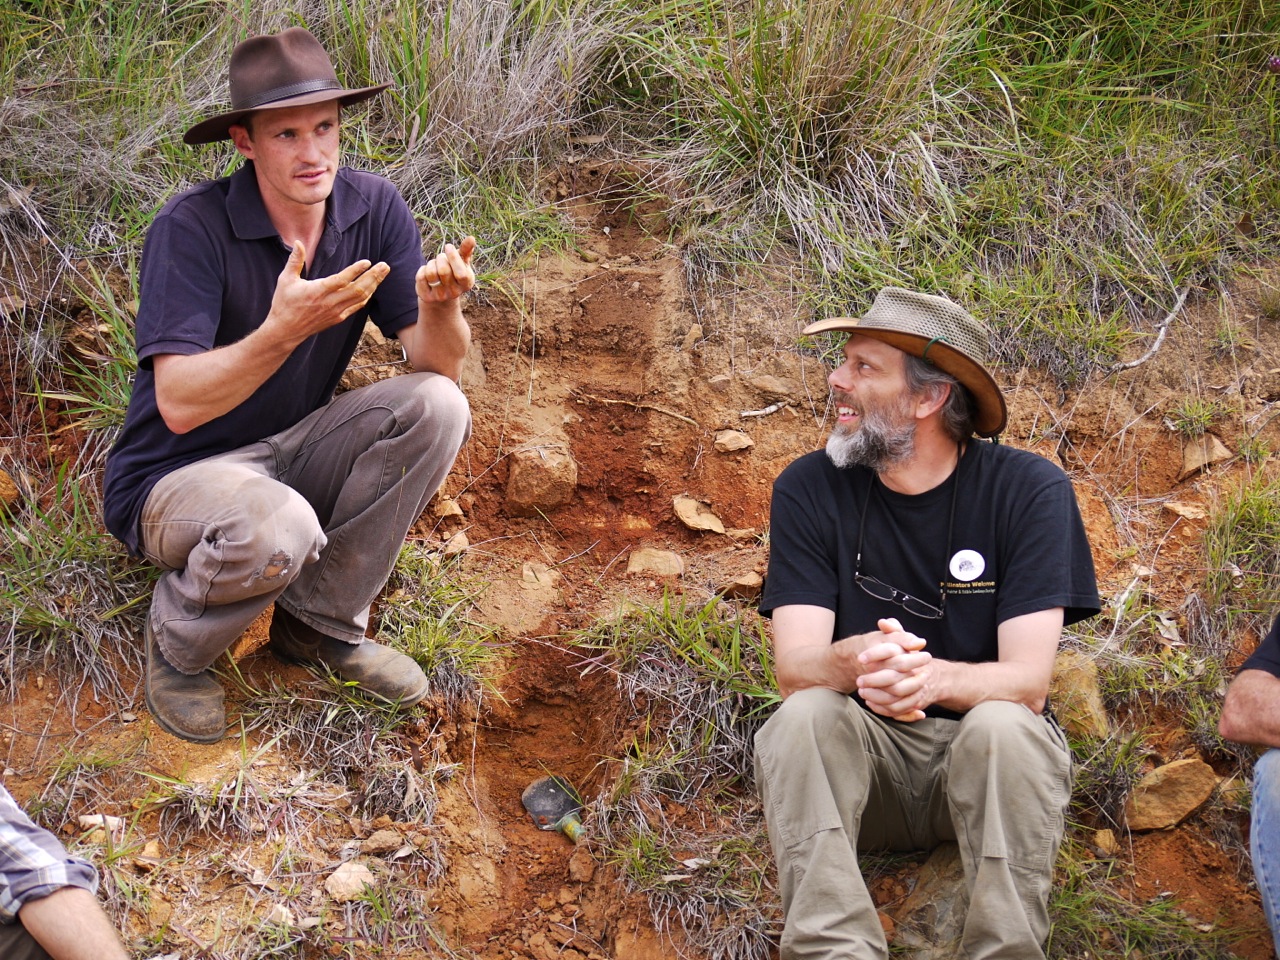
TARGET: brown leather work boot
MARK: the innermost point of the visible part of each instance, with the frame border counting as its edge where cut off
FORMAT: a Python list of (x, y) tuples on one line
[(186, 705), (385, 673)]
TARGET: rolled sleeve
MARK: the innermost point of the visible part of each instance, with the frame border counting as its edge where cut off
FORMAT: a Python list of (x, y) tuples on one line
[(33, 863)]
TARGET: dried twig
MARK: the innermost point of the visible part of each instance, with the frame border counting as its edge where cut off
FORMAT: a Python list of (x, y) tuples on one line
[(1163, 328), (772, 408), (638, 406)]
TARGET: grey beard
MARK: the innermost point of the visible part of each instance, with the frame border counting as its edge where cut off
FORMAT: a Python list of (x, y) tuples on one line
[(877, 444)]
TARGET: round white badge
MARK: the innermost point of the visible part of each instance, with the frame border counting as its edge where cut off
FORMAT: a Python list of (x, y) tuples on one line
[(967, 565)]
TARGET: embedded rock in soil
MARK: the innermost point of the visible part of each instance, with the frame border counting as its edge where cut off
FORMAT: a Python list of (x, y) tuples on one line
[(731, 441), (661, 563), (697, 515), (1201, 452), (542, 478), (1168, 795), (931, 919), (10, 496), (349, 881), (1076, 696)]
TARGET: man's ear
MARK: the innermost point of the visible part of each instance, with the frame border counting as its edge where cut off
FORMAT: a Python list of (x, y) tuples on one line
[(931, 399), (243, 142)]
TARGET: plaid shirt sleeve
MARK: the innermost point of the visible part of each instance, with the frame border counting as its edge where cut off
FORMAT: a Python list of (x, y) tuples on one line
[(33, 863)]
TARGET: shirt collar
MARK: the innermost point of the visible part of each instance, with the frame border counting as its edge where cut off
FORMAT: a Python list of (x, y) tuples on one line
[(249, 220)]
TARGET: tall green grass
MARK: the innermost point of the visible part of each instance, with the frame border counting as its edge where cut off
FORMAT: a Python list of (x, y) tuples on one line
[(1063, 167)]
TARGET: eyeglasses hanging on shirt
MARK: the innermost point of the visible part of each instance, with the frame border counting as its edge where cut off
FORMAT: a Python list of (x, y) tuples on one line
[(884, 591)]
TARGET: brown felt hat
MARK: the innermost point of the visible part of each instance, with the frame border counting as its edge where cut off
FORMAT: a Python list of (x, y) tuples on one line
[(939, 332), (285, 69)]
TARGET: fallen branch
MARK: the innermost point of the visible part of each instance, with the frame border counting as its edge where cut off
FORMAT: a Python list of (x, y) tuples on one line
[(1163, 328), (772, 408), (637, 406)]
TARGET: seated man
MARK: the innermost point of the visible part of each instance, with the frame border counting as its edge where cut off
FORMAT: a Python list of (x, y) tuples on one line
[(918, 584), (1251, 714), (47, 905), (238, 473)]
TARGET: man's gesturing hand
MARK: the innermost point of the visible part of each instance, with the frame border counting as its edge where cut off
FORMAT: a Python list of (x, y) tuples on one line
[(300, 307), (448, 275)]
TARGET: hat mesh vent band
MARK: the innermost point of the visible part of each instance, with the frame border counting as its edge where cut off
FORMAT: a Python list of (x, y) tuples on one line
[(934, 321)]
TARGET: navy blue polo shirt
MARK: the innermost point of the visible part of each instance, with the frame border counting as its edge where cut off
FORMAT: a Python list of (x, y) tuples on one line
[(1267, 656), (209, 269)]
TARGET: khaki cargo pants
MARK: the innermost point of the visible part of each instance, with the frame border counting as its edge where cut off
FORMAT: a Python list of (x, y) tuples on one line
[(836, 779)]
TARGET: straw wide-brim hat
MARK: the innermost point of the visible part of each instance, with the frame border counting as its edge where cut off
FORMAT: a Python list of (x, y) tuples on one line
[(285, 69), (939, 332)]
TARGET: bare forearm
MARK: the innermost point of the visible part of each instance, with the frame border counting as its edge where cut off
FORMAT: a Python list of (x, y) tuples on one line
[(812, 666), (439, 341), (962, 686), (1251, 713), (71, 925), (193, 390)]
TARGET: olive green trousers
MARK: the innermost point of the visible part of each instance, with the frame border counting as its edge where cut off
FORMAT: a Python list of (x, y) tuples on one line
[(836, 779)]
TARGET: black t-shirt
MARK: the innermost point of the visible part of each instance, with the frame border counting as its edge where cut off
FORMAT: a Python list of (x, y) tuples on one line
[(1267, 656), (208, 273), (1017, 546)]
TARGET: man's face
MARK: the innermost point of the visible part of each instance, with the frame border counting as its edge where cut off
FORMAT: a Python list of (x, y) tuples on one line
[(875, 422), (295, 152)]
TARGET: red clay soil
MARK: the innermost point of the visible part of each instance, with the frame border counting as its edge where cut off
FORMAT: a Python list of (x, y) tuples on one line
[(604, 352)]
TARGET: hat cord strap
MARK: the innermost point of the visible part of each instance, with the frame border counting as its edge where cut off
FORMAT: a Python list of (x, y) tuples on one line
[(925, 355)]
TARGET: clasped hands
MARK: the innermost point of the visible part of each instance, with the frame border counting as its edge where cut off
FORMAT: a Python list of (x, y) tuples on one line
[(896, 673)]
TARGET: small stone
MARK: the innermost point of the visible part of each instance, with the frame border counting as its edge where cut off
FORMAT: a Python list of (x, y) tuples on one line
[(373, 333), (931, 919), (457, 544), (745, 586), (1188, 511), (662, 563), (538, 576), (1076, 694), (149, 860), (448, 507), (582, 865), (382, 842), (1169, 794), (542, 478), (720, 382), (349, 881), (11, 306), (773, 388), (106, 823), (1200, 452), (281, 916), (697, 515), (10, 495), (1106, 842), (731, 441)]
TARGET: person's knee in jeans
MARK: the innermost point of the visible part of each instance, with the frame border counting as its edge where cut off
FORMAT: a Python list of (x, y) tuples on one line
[(1264, 838)]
